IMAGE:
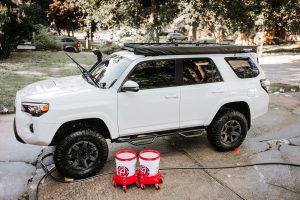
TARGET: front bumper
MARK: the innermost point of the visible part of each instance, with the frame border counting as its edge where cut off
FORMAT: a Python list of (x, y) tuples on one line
[(33, 130), (16, 133)]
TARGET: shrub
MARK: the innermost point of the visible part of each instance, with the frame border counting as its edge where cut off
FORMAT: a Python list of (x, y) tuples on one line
[(109, 49), (45, 40)]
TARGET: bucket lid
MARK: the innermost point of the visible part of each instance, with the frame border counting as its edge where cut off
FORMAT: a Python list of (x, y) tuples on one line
[(125, 155), (149, 155)]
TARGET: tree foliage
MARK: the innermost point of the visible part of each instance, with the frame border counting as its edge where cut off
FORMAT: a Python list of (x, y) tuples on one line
[(36, 11), (284, 13), (150, 14), (65, 15), (13, 26), (225, 17)]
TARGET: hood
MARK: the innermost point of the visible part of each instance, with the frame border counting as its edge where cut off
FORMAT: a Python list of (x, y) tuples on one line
[(54, 87)]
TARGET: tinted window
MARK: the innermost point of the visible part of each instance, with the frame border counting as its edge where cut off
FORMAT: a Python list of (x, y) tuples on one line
[(154, 74), (67, 40), (243, 67), (200, 70)]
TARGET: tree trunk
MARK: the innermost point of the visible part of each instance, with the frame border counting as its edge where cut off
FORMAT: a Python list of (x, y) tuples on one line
[(92, 35), (5, 47), (194, 31), (153, 20), (58, 30), (87, 40)]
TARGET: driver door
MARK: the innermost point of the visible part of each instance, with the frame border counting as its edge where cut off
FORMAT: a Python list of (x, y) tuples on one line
[(155, 107)]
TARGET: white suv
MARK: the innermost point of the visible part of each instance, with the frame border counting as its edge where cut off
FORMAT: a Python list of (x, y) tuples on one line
[(141, 93)]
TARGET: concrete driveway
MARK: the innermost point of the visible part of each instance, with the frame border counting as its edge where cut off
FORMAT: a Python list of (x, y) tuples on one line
[(283, 68), (274, 137)]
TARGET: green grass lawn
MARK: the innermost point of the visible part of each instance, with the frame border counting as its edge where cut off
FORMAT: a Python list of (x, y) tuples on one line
[(23, 68), (284, 49), (275, 87)]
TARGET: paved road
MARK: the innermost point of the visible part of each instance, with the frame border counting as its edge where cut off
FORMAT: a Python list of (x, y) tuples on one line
[(17, 161), (262, 182), (284, 68)]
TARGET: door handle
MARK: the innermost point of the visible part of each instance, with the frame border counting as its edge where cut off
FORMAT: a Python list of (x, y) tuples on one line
[(171, 97), (217, 92)]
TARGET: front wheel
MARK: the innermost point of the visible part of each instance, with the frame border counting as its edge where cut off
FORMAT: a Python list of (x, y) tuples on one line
[(81, 154), (228, 130)]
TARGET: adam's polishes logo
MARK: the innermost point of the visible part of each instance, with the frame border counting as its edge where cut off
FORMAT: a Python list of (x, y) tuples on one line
[(144, 170), (123, 171)]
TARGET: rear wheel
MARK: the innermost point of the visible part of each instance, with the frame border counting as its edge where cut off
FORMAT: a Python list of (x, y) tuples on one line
[(81, 154), (228, 130), (70, 49)]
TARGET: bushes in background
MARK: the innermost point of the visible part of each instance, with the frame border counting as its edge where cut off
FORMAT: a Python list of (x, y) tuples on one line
[(110, 48), (45, 40)]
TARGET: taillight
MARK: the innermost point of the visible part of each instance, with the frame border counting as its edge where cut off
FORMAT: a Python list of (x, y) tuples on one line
[(265, 84), (78, 44)]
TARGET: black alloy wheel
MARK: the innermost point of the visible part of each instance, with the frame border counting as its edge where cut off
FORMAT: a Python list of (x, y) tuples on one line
[(231, 131), (81, 154), (228, 130)]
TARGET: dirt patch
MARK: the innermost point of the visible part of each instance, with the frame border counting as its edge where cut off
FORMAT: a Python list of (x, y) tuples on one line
[(29, 73)]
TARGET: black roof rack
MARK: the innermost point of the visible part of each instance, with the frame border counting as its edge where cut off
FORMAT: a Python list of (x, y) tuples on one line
[(156, 49)]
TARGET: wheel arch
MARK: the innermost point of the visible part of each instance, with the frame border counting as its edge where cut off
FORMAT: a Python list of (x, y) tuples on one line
[(66, 128), (240, 106), (69, 47)]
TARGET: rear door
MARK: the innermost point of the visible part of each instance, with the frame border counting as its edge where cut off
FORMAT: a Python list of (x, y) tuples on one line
[(201, 91), (155, 107)]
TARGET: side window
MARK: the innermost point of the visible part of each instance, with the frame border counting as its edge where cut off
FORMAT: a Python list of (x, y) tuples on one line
[(69, 40), (200, 70), (243, 67), (154, 74)]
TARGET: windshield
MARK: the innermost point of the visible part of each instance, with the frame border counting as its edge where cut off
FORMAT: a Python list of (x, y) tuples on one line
[(109, 70)]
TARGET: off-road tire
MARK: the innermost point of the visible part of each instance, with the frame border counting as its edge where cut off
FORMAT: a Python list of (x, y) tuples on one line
[(70, 49), (214, 131), (95, 148)]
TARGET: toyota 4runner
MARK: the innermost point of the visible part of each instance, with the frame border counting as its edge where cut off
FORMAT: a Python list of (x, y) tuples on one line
[(140, 93)]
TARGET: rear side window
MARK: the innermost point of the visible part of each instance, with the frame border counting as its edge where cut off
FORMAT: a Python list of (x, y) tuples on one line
[(67, 40), (200, 70), (243, 67), (154, 74)]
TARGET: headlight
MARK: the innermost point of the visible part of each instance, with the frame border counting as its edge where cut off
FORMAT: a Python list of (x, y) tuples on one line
[(35, 109)]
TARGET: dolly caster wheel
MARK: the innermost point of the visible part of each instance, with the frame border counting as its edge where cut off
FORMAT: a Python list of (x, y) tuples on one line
[(137, 185), (124, 189), (143, 187), (157, 187), (115, 184)]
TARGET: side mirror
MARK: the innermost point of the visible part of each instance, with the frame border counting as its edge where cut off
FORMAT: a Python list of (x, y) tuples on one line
[(130, 86)]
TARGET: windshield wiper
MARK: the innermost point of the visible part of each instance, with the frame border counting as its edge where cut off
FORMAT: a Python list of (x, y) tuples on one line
[(113, 82), (84, 72)]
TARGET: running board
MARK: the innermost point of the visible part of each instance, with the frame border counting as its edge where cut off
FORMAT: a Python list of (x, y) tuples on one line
[(192, 133), (149, 138)]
